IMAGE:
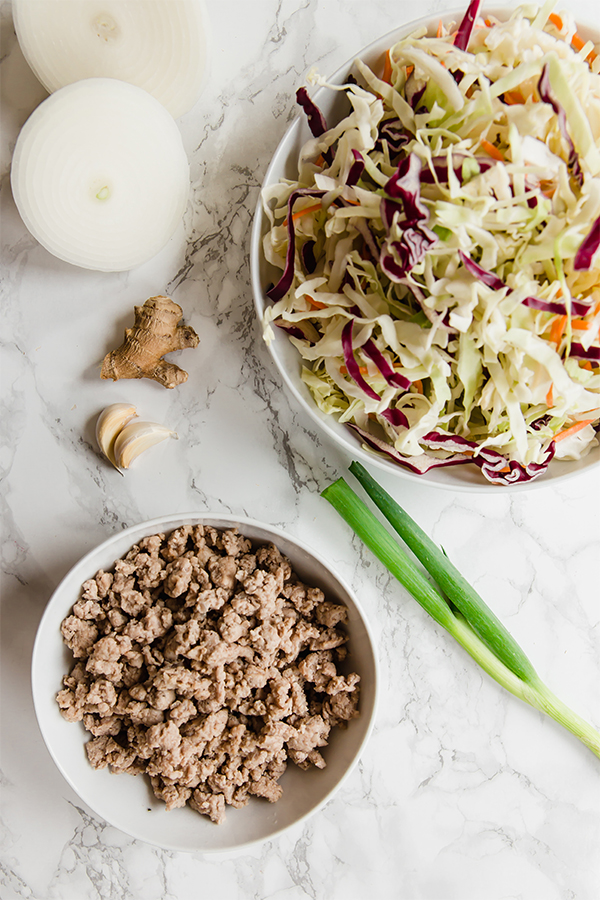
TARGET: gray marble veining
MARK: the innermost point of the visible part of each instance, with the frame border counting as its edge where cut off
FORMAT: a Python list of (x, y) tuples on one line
[(463, 792)]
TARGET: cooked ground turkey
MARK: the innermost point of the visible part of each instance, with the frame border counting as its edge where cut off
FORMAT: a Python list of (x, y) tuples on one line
[(206, 664)]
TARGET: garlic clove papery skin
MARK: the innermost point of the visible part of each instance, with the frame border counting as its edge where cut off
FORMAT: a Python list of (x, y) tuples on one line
[(110, 422), (137, 437)]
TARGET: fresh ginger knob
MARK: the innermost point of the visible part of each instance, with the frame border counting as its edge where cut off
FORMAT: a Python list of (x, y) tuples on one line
[(156, 331)]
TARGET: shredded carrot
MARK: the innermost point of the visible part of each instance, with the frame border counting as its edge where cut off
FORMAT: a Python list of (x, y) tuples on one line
[(387, 68), (556, 20), (513, 97), (558, 329), (491, 150), (581, 324), (418, 386), (587, 365), (577, 42), (488, 23), (409, 71), (320, 161), (550, 397), (440, 29), (573, 429), (305, 211), (315, 303), (548, 188)]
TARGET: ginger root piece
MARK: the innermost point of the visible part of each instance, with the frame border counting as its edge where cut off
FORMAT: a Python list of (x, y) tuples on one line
[(155, 332)]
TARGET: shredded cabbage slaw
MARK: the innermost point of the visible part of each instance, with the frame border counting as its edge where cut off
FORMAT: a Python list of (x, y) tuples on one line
[(440, 274)]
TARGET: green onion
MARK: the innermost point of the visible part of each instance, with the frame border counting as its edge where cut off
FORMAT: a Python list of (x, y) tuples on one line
[(479, 616), (453, 603)]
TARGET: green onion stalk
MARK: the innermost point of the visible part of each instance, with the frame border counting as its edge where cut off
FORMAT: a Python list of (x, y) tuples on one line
[(451, 601)]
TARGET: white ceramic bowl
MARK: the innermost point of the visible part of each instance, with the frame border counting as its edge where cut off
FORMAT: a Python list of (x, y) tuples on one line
[(127, 802), (285, 356)]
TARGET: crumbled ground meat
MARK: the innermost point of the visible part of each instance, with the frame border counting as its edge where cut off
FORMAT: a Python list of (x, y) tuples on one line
[(207, 665)]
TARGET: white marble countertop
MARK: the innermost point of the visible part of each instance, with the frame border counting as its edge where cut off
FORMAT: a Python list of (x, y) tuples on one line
[(463, 793)]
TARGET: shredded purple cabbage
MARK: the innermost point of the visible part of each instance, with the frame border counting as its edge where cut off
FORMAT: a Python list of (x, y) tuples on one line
[(465, 29), (539, 423), (559, 309), (408, 251), (308, 256), (418, 464), (403, 196), (352, 365), (393, 132), (405, 185), (356, 169), (285, 282), (440, 166), (395, 379), (416, 97), (348, 280), (395, 417), (494, 467), (292, 330), (492, 281), (585, 254), (387, 210), (390, 267), (580, 352), (314, 116), (545, 92), (482, 274)]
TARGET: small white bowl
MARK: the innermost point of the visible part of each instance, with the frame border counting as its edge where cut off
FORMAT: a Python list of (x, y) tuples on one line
[(284, 165), (127, 802)]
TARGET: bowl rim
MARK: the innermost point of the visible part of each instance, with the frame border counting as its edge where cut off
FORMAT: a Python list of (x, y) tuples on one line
[(473, 482), (86, 568)]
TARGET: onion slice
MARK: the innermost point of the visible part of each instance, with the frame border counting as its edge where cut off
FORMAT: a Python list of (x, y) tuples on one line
[(159, 45), (100, 176)]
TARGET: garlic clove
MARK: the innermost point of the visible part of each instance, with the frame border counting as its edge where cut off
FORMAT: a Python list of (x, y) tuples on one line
[(137, 437), (110, 422)]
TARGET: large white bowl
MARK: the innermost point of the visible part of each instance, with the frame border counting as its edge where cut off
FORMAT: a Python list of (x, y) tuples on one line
[(285, 356), (127, 802)]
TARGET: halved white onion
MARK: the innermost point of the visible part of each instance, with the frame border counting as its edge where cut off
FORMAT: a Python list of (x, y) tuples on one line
[(159, 45), (100, 175)]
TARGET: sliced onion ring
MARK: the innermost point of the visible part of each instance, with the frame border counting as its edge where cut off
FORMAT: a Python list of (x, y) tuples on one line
[(100, 176), (159, 45)]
